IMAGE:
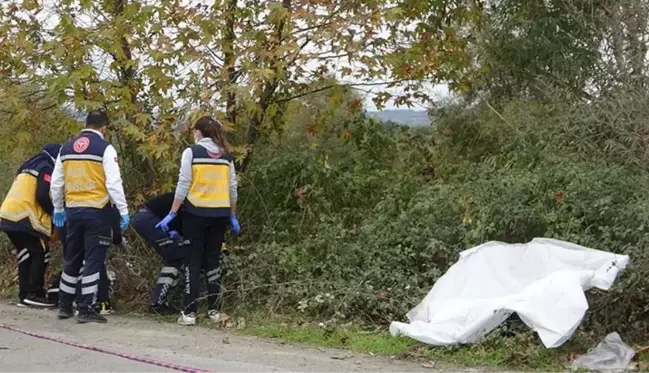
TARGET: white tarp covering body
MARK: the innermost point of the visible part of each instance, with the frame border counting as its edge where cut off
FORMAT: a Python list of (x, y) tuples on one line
[(543, 281)]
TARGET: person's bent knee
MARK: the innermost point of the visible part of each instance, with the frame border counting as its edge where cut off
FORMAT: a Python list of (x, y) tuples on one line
[(140, 222)]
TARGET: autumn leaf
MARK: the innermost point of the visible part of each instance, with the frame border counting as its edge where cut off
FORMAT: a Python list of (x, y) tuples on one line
[(245, 62), (68, 39), (30, 5)]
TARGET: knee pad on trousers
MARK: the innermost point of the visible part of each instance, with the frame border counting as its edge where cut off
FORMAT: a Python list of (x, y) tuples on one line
[(213, 276), (68, 283), (22, 256)]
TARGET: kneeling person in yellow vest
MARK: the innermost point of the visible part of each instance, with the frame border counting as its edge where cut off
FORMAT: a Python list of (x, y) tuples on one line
[(26, 217), (85, 183)]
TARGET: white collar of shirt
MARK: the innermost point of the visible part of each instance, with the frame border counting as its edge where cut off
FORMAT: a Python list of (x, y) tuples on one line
[(93, 131)]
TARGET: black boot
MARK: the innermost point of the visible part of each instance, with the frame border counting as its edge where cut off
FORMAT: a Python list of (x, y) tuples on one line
[(87, 315), (65, 312)]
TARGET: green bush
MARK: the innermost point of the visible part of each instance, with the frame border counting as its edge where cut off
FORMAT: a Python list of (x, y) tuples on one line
[(360, 227), (408, 229), (381, 268)]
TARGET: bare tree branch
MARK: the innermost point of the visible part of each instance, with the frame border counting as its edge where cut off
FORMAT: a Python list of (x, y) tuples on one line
[(327, 22), (299, 50), (327, 87)]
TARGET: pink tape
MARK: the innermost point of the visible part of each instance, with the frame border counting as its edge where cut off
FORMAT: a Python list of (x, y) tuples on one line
[(107, 352)]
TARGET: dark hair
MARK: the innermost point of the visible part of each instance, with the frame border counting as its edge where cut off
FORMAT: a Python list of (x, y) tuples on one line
[(213, 129), (96, 119)]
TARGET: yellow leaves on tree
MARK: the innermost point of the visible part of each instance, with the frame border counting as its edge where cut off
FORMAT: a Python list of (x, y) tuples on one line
[(150, 64)]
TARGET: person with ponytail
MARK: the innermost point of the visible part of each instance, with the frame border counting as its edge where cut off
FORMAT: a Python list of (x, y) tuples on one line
[(207, 193)]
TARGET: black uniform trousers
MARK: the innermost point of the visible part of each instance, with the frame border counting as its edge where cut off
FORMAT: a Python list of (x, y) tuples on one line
[(33, 256), (88, 236), (102, 293), (171, 251), (206, 237)]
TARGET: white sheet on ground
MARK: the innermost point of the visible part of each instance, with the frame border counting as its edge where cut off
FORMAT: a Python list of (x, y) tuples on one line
[(543, 281)]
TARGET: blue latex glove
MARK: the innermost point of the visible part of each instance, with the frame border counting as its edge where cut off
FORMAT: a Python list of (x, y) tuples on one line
[(59, 219), (164, 223), (174, 234), (123, 222), (234, 222)]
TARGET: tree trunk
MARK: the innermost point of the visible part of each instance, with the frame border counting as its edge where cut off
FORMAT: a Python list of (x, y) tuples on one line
[(229, 62), (127, 77), (267, 92)]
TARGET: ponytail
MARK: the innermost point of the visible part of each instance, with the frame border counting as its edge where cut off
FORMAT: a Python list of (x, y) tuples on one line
[(213, 129)]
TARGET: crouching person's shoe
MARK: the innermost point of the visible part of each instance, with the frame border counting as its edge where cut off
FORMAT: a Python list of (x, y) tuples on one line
[(187, 319), (90, 315)]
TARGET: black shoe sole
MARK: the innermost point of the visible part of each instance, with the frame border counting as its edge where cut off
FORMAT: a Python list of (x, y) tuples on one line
[(63, 316), (83, 320)]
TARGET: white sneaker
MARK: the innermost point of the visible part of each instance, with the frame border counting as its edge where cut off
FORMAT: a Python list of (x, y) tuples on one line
[(214, 315), (187, 320)]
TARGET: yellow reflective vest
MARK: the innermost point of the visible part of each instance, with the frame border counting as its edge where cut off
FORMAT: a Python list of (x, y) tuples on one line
[(83, 169), (209, 192), (20, 210)]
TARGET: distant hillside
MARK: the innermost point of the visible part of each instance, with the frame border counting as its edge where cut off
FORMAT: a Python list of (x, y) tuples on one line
[(403, 116)]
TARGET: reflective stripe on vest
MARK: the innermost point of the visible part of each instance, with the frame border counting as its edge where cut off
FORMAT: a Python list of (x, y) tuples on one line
[(210, 188), (21, 204)]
